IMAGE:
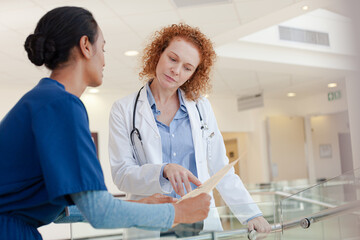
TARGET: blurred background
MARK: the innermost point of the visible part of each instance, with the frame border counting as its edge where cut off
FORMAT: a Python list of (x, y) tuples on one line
[(285, 85)]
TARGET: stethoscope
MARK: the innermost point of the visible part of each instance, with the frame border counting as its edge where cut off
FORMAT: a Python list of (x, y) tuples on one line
[(135, 136)]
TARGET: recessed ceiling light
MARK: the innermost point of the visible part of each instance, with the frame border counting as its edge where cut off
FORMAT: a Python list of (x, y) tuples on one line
[(332, 85), (192, 3), (93, 90), (291, 94), (305, 8), (131, 53)]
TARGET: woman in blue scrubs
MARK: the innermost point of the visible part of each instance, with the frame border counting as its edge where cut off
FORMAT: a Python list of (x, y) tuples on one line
[(47, 157)]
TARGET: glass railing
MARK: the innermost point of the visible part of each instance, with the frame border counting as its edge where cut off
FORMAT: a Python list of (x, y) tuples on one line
[(327, 210), (290, 187)]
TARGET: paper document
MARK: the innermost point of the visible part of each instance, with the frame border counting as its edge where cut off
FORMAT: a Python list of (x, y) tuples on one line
[(211, 183)]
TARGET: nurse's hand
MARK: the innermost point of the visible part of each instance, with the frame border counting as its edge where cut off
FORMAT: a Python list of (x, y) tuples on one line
[(156, 199), (178, 175), (192, 209)]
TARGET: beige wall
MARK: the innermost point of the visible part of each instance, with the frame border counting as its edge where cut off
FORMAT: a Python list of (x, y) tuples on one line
[(287, 147), (241, 142), (325, 130)]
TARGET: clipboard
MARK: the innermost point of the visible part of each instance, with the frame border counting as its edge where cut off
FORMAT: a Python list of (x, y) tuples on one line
[(211, 183)]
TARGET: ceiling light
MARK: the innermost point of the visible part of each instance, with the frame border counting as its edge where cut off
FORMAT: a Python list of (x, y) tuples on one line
[(131, 53), (291, 94), (93, 90), (305, 8), (191, 3), (332, 85)]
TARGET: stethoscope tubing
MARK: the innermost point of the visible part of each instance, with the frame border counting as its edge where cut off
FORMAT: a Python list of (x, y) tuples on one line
[(137, 132)]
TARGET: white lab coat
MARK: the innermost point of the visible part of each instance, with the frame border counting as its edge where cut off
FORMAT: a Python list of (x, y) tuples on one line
[(139, 180)]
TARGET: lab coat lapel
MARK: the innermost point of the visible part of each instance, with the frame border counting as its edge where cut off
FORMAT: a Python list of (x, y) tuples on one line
[(145, 111), (197, 136)]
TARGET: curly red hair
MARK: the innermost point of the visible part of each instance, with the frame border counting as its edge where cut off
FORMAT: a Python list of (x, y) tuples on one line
[(199, 83)]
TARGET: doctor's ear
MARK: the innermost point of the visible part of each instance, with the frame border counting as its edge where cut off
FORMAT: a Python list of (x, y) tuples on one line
[(86, 47)]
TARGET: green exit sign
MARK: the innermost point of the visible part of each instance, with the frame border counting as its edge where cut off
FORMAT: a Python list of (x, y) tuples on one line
[(334, 95)]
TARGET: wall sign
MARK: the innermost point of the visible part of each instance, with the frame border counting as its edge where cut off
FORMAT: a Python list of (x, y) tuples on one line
[(334, 95), (325, 151)]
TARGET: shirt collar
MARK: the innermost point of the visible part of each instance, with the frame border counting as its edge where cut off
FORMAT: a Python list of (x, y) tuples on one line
[(151, 99), (51, 81), (181, 100)]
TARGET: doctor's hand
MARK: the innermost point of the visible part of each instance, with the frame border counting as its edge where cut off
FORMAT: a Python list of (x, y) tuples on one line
[(178, 175), (156, 199), (192, 209), (259, 224)]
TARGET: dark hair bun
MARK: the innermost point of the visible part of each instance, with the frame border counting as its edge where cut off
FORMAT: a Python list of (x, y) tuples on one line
[(40, 50), (57, 32)]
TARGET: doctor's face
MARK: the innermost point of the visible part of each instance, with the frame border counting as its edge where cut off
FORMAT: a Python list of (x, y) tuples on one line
[(177, 63)]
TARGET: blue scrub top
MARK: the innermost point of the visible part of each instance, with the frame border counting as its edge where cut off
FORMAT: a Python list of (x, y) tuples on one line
[(46, 153)]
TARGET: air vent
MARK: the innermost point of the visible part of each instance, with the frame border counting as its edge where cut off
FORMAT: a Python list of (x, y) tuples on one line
[(191, 3), (251, 101), (304, 36)]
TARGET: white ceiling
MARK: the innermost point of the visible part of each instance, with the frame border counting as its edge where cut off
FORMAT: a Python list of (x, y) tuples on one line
[(126, 24)]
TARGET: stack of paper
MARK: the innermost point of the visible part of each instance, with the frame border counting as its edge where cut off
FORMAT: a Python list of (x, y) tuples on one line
[(211, 183)]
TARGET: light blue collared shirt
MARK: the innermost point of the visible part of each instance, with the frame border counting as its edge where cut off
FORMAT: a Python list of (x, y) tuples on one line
[(176, 140)]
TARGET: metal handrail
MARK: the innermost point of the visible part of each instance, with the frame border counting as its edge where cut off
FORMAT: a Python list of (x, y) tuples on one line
[(324, 214), (303, 222), (316, 217)]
